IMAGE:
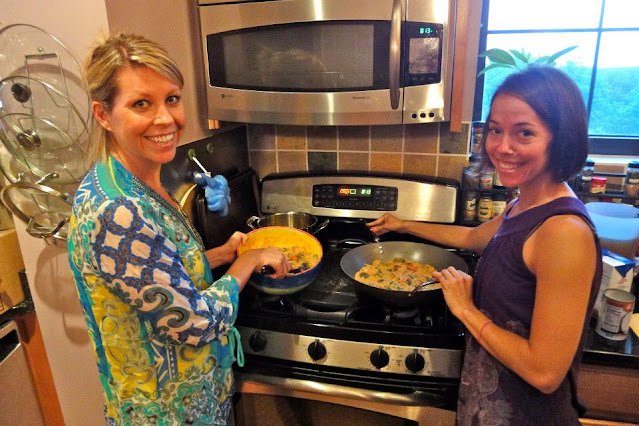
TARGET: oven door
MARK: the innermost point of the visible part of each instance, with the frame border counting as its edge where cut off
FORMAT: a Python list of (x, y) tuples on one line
[(325, 62), (285, 393)]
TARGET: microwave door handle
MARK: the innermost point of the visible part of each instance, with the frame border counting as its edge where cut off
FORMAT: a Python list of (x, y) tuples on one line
[(394, 54)]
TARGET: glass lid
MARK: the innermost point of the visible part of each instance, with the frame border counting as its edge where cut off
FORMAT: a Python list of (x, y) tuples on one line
[(43, 105)]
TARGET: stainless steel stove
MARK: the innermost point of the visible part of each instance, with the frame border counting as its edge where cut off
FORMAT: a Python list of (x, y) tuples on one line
[(328, 338)]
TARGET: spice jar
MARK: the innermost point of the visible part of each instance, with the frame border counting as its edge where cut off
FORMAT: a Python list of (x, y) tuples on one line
[(470, 206), (485, 208), (486, 178), (499, 204), (631, 185), (598, 185), (585, 176)]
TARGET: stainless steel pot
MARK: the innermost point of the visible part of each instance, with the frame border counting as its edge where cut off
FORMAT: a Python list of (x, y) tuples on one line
[(299, 220), (440, 258)]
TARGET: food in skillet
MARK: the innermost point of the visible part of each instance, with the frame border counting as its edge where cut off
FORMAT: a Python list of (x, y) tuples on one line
[(396, 274)]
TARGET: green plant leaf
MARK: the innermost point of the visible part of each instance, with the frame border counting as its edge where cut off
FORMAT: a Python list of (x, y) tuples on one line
[(499, 56), (561, 52), (523, 57), (496, 65)]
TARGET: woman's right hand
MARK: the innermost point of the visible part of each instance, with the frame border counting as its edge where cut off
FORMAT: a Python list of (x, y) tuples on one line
[(384, 224), (253, 260), (273, 257)]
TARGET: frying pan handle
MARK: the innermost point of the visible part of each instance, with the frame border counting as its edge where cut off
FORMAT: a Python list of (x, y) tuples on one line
[(267, 270)]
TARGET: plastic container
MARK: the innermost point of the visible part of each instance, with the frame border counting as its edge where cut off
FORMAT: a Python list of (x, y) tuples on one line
[(617, 226)]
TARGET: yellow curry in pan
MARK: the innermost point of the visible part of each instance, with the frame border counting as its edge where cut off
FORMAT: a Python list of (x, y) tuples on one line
[(396, 274)]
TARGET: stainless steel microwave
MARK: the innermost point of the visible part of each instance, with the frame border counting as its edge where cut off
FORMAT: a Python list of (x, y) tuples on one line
[(328, 62)]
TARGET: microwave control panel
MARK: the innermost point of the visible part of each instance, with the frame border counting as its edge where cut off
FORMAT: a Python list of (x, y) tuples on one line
[(424, 53), (355, 197)]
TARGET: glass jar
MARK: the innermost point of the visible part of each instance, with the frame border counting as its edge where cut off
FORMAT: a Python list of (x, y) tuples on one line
[(585, 176), (486, 178), (485, 207), (499, 204), (631, 185), (598, 185)]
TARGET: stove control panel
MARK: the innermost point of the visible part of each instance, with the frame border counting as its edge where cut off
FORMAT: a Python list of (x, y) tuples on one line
[(361, 196), (433, 362), (355, 197)]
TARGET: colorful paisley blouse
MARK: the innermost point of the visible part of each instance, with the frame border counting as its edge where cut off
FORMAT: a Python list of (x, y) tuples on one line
[(162, 330)]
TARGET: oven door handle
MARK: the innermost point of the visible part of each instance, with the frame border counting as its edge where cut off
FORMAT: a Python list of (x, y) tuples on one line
[(416, 398)]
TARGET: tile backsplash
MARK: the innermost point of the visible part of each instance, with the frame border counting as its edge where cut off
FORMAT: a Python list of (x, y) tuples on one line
[(425, 149)]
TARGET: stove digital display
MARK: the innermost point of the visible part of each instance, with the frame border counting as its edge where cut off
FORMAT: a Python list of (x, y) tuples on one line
[(355, 191)]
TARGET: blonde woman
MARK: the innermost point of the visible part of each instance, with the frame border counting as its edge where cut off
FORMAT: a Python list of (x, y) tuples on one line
[(162, 329)]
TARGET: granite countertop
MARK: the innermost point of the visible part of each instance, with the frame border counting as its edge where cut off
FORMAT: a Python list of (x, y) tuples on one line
[(602, 351)]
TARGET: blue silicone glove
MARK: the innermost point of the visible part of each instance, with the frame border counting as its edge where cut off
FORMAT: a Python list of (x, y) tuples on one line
[(216, 192)]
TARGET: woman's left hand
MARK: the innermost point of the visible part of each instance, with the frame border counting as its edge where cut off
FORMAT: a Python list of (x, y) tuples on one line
[(457, 287), (227, 252)]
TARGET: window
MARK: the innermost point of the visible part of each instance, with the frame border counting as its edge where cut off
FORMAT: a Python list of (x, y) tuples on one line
[(604, 64)]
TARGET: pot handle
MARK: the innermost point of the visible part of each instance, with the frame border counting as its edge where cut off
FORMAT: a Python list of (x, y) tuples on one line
[(251, 220), (321, 226)]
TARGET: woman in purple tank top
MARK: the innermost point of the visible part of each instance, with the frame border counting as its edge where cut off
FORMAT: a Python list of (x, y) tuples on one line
[(532, 295)]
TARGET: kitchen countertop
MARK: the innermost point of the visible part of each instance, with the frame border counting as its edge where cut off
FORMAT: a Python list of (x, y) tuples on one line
[(602, 351)]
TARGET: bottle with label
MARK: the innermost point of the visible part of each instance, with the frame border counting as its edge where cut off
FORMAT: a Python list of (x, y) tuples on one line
[(471, 175), (585, 176), (485, 207), (631, 185), (499, 204), (470, 206)]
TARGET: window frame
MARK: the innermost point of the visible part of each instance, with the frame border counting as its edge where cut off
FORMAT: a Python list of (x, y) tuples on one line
[(598, 145)]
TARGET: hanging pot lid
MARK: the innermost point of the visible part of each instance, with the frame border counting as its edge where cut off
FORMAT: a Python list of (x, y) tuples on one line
[(42, 129), (44, 106), (45, 210), (32, 52)]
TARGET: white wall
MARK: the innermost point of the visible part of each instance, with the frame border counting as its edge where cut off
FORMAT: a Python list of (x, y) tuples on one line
[(76, 23)]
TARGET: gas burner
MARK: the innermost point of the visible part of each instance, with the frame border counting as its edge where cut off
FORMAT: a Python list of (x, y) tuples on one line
[(405, 313)]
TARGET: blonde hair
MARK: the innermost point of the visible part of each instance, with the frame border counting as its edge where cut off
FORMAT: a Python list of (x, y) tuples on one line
[(107, 57)]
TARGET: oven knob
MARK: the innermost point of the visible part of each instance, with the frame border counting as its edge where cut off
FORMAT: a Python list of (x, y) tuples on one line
[(317, 350), (257, 342), (379, 358), (415, 362)]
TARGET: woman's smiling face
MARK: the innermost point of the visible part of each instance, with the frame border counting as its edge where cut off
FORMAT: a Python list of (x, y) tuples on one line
[(517, 142), (146, 121)]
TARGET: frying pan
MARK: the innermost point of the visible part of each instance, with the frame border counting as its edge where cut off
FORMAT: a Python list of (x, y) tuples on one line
[(282, 236), (440, 258)]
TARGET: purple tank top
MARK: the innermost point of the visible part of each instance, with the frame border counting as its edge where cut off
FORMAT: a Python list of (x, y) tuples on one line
[(504, 290)]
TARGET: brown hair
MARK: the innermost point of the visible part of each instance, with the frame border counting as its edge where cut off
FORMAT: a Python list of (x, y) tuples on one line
[(110, 55), (557, 100)]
